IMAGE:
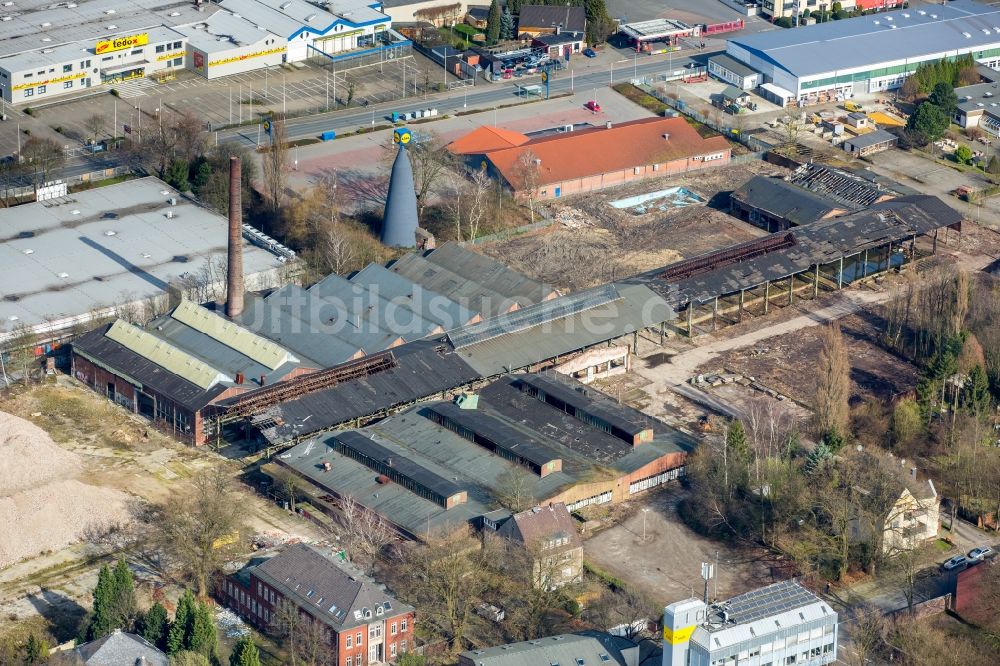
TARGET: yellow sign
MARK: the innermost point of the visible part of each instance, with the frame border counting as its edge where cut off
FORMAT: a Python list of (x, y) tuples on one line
[(245, 56), (681, 635), (402, 135), (169, 56), (121, 43), (58, 79)]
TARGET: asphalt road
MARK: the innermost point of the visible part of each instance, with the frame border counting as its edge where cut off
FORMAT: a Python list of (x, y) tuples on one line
[(481, 96)]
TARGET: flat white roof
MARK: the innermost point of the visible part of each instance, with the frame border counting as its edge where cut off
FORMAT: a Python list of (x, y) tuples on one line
[(27, 23), (655, 28), (224, 31), (92, 249)]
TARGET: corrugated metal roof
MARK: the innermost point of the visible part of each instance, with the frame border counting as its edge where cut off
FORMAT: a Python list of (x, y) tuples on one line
[(394, 316), (117, 358), (428, 304), (593, 648), (484, 270), (638, 308), (467, 293), (165, 355), (242, 340), (784, 200), (870, 40)]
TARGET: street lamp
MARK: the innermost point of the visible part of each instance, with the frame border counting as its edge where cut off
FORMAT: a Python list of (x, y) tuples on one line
[(644, 512)]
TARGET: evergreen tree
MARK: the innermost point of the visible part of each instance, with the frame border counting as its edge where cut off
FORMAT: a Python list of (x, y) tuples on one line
[(815, 458), (514, 6), (177, 175), (183, 622), (493, 23), (993, 167), (202, 173), (155, 626), (36, 651), (928, 120), (943, 97), (976, 392), (599, 23), (203, 638), (245, 653), (506, 24), (101, 622), (124, 606)]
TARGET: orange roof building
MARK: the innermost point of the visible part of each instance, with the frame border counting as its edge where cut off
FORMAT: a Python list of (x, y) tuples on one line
[(592, 159), (486, 139)]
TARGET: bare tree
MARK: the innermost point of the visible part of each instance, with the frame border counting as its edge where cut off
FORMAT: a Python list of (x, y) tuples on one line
[(12, 177), (527, 176), (833, 383), (275, 167), (197, 527), (453, 201), (286, 622), (366, 532), (478, 202), (626, 609), (42, 157), (430, 159), (94, 125), (869, 636), (189, 135), (513, 490)]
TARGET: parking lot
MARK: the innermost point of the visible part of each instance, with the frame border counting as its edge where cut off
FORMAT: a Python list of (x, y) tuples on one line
[(310, 86)]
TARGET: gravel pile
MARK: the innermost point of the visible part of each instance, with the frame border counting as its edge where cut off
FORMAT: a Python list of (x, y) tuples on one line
[(42, 505)]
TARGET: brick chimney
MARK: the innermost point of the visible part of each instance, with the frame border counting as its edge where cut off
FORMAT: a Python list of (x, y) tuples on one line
[(234, 273)]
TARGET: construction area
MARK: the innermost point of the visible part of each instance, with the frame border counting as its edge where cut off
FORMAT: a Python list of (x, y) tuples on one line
[(593, 242)]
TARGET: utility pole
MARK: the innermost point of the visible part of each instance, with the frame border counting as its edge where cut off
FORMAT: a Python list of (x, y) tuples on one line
[(283, 111)]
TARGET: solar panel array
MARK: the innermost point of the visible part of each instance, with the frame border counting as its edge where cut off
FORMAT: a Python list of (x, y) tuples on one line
[(767, 601), (533, 315)]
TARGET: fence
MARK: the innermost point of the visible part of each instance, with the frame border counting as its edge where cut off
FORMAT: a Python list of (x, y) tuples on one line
[(27, 192)]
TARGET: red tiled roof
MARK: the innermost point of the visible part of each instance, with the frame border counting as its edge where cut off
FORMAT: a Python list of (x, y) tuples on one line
[(486, 139), (600, 150)]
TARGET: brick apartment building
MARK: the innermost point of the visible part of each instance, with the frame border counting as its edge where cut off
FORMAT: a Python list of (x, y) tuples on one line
[(367, 625)]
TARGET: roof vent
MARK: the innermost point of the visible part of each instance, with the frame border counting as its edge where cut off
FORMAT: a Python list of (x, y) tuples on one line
[(170, 214), (29, 251), (174, 14), (46, 39), (310, 18), (906, 15), (109, 11), (933, 16), (538, 161), (6, 18), (112, 26), (109, 232), (64, 275), (46, 50), (8, 3), (921, 12), (986, 31), (888, 18), (987, 94), (666, 136), (46, 24), (966, 35), (877, 22)]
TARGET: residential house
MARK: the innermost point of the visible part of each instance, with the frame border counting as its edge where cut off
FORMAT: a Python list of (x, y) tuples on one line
[(116, 649), (914, 516), (477, 16), (587, 647), (550, 536), (561, 44), (535, 20), (366, 624)]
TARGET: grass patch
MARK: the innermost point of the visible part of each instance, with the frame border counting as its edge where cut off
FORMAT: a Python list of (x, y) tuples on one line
[(610, 580), (640, 97), (94, 184), (704, 131), (942, 545)]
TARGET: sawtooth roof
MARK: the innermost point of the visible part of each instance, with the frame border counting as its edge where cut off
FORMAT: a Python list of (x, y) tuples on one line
[(591, 152)]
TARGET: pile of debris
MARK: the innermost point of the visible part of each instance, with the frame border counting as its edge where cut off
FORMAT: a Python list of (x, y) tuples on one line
[(572, 218), (43, 507)]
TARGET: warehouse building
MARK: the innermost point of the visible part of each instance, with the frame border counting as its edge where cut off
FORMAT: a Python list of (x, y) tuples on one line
[(783, 623), (48, 50), (443, 465), (868, 54), (124, 248)]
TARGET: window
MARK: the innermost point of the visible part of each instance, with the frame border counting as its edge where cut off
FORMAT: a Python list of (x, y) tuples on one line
[(67, 68), (402, 625), (160, 48), (28, 75), (350, 661), (790, 659), (136, 52), (402, 646), (349, 643), (392, 629), (178, 62), (392, 650), (41, 90), (67, 84), (107, 58), (177, 45), (358, 638)]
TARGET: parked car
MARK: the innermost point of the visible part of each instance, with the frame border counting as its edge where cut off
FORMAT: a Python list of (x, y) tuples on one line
[(593, 106), (982, 553), (957, 562), (590, 53)]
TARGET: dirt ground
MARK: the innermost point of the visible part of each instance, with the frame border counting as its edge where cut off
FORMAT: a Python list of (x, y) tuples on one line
[(592, 242), (785, 363), (667, 566), (119, 451)]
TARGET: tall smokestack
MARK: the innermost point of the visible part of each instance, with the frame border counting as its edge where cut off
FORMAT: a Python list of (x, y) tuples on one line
[(234, 274)]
